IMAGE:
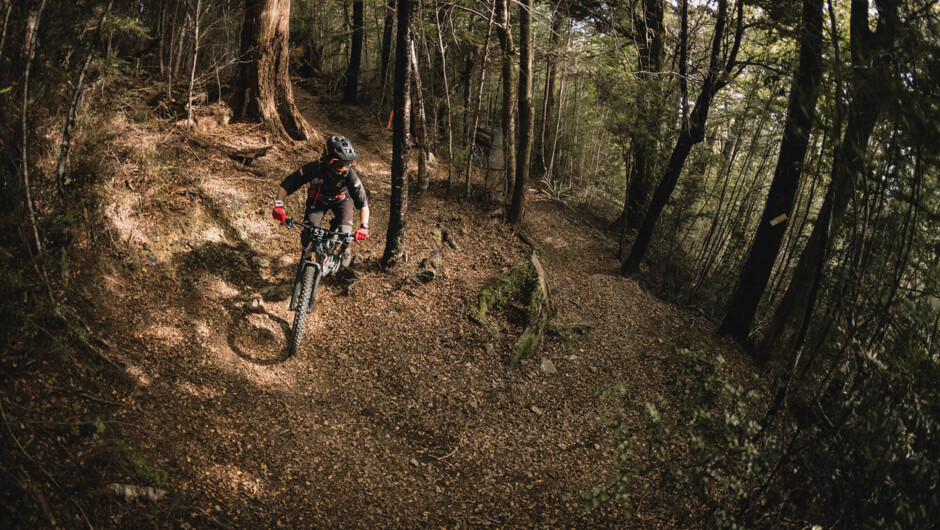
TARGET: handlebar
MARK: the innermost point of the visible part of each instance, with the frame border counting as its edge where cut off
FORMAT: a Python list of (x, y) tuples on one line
[(320, 233)]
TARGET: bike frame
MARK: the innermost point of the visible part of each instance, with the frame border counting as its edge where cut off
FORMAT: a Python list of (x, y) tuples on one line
[(320, 252)]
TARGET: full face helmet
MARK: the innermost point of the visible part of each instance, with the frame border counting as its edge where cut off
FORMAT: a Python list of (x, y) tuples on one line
[(339, 156)]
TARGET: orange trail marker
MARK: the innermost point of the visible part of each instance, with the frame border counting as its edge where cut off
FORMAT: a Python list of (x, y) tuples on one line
[(390, 115)]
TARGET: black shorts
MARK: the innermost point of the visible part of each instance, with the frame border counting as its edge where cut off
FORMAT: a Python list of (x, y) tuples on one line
[(342, 220)]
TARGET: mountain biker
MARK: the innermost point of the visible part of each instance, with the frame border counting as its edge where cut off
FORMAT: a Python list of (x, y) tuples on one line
[(334, 186)]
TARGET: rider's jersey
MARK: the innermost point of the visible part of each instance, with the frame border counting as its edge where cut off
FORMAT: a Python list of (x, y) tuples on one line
[(325, 192)]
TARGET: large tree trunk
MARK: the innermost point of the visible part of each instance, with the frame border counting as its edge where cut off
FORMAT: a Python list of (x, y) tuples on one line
[(526, 114), (351, 93), (716, 78), (261, 88), (398, 203), (505, 39), (779, 207), (871, 74)]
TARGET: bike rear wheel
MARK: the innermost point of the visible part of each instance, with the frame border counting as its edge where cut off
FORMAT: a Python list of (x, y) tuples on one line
[(308, 295)]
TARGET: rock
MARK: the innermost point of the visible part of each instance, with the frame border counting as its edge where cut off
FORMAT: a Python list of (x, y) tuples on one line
[(131, 492), (256, 305), (152, 258), (414, 462), (489, 348), (548, 367), (537, 410), (286, 260)]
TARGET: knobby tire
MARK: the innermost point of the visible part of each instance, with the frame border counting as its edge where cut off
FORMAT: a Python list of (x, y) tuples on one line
[(308, 295)]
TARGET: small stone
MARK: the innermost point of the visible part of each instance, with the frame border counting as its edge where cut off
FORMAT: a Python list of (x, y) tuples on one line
[(537, 410), (152, 258), (286, 260), (548, 367), (438, 489), (256, 305), (573, 357), (489, 348), (414, 462)]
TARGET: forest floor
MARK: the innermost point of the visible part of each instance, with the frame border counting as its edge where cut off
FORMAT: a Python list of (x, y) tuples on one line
[(397, 412)]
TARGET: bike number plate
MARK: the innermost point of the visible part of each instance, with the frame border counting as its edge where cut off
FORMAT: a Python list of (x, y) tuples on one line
[(320, 233)]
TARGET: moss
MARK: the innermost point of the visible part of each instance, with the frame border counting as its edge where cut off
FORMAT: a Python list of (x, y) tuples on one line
[(520, 284), (507, 288), (525, 346), (139, 466)]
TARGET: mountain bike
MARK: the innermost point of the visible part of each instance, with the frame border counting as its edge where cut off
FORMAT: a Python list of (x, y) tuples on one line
[(325, 252)]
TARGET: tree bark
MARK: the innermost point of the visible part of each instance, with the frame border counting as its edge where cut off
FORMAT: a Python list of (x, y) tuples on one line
[(651, 44), (32, 27), (716, 78), (504, 32), (548, 105), (73, 105), (387, 27), (424, 180), (351, 92), (261, 88), (472, 133), (516, 211), (450, 113), (192, 74), (871, 73), (398, 203), (801, 111), (7, 9)]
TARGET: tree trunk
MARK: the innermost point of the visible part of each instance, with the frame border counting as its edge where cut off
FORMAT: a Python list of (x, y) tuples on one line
[(801, 111), (398, 203), (7, 9), (388, 25), (424, 180), (871, 76), (261, 88), (351, 93), (526, 115), (32, 30), (192, 75), (73, 105), (472, 135), (716, 78), (645, 139), (504, 32), (450, 112), (548, 105)]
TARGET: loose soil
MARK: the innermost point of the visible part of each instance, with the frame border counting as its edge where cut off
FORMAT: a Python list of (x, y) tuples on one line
[(398, 411)]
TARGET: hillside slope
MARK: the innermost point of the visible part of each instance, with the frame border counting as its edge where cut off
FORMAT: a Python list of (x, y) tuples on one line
[(398, 410)]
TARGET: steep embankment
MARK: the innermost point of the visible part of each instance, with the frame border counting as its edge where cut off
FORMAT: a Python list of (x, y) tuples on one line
[(398, 411)]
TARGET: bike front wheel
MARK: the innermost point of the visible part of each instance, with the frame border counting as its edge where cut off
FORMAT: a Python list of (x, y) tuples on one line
[(308, 295)]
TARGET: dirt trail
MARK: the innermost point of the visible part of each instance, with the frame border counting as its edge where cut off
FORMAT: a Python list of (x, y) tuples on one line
[(397, 411)]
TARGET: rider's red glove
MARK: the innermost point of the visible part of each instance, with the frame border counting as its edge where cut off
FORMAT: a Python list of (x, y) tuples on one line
[(278, 212), (362, 233)]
